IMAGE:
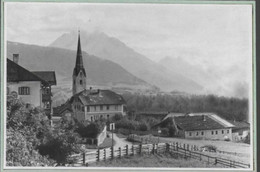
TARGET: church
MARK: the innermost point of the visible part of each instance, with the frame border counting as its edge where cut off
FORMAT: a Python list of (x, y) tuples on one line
[(88, 105)]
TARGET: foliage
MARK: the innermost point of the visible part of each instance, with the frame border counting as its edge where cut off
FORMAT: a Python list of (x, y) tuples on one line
[(26, 129), (228, 108), (59, 147), (247, 138), (91, 130)]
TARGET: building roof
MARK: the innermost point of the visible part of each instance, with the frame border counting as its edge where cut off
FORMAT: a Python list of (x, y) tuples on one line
[(173, 115), (48, 76), (240, 125), (99, 97), (16, 73), (199, 122)]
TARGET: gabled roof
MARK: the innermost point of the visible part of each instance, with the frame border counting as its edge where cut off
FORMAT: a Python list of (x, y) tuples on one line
[(99, 97), (173, 115), (16, 73), (48, 76), (198, 122), (240, 124)]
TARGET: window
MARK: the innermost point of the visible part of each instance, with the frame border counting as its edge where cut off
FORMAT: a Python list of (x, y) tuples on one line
[(202, 133), (107, 116), (212, 132), (24, 91), (190, 133), (80, 82), (116, 107), (82, 108), (47, 105), (91, 118), (101, 107), (197, 133), (227, 131), (87, 108), (222, 131), (216, 132), (95, 108), (107, 107), (101, 116)]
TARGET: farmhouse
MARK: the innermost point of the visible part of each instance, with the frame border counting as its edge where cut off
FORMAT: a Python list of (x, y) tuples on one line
[(33, 88), (197, 126)]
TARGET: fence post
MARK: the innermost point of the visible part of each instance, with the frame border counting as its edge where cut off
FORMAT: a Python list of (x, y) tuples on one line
[(208, 159), (177, 149), (84, 158), (112, 152), (216, 161), (133, 149), (98, 154), (140, 147), (167, 147), (153, 149), (105, 156), (126, 150), (119, 152), (200, 156), (230, 163), (188, 147), (185, 152)]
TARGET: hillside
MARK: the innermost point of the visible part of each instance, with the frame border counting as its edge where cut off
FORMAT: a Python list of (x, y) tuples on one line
[(110, 48), (100, 72)]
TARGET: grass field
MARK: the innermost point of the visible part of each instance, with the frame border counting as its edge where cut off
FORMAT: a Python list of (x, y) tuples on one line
[(161, 161)]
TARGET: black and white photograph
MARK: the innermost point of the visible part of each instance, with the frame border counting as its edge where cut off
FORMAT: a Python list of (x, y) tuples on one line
[(141, 85)]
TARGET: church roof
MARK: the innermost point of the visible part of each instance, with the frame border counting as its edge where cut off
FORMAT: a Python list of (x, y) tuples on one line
[(48, 76), (79, 61), (99, 97), (16, 73)]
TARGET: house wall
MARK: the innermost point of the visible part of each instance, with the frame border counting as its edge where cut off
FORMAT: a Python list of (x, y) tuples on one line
[(95, 112), (101, 137), (207, 134), (35, 96), (239, 135)]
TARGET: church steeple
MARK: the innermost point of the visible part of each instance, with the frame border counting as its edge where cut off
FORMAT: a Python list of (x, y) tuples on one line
[(79, 73), (79, 62)]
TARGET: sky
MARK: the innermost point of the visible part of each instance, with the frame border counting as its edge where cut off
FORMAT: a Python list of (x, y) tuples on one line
[(216, 37)]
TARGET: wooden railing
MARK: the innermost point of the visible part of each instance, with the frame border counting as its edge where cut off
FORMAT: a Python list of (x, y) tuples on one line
[(172, 148)]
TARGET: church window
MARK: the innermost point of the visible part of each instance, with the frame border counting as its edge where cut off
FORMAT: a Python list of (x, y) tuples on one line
[(24, 91)]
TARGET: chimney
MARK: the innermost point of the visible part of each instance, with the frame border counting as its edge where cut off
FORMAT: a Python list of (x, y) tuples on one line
[(16, 58)]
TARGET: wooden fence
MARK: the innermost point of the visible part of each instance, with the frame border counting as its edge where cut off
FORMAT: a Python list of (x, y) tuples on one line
[(176, 150), (150, 139)]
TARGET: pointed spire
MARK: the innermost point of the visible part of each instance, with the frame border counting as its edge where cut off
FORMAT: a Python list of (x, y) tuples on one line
[(79, 61)]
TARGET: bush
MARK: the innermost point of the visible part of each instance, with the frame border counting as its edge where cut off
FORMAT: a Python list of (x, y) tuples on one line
[(90, 131)]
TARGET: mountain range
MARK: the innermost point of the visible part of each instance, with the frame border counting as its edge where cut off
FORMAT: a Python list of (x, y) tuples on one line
[(110, 48)]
